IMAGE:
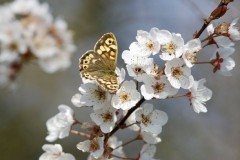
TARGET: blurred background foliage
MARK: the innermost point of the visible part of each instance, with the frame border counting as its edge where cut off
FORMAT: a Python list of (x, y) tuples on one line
[(187, 136)]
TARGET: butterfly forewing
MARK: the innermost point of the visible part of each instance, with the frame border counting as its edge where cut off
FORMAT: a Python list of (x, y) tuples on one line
[(106, 46), (100, 64)]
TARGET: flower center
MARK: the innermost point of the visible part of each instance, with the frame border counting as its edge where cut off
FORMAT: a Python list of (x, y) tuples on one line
[(158, 87), (13, 46), (222, 29), (177, 72), (100, 94), (53, 32), (138, 70), (125, 97), (145, 119), (150, 45), (191, 56), (94, 146), (107, 117), (170, 48)]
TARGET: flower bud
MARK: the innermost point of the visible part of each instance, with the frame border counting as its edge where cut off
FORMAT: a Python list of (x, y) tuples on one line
[(218, 12)]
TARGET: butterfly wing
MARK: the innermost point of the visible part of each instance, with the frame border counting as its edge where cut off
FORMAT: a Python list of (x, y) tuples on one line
[(89, 65), (107, 46), (108, 83), (100, 64)]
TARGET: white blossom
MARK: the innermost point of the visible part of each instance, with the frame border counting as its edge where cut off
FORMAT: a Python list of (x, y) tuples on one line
[(190, 51), (105, 118), (153, 88), (147, 43), (138, 68), (94, 146), (113, 142), (171, 45), (136, 64), (6, 14), (55, 152), (131, 120), (221, 41), (59, 126), (199, 95), (153, 71), (178, 74), (126, 97), (150, 138), (55, 63), (76, 100), (121, 73), (12, 45), (31, 7), (234, 31), (147, 152), (222, 62), (151, 120), (29, 32), (93, 95)]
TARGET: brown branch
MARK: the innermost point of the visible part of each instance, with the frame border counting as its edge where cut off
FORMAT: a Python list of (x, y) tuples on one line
[(218, 12), (80, 134), (123, 120), (122, 157), (128, 142), (127, 116)]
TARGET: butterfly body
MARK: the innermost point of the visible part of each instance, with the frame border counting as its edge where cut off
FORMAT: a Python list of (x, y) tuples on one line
[(100, 64)]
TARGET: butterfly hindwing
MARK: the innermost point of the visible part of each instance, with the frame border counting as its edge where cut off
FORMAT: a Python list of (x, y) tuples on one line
[(108, 82), (100, 64)]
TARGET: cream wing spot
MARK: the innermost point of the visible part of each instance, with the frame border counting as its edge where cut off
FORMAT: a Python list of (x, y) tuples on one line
[(99, 51), (102, 48), (112, 58), (112, 54), (94, 61), (113, 47)]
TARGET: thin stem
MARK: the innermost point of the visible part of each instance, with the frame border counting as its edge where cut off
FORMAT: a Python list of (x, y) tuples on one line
[(204, 26), (208, 37), (126, 143), (122, 157), (206, 62), (77, 122), (205, 45), (130, 125), (123, 120), (126, 116), (177, 96), (80, 134)]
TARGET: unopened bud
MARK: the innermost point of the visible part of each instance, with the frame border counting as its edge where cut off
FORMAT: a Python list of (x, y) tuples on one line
[(226, 1), (218, 12), (222, 29)]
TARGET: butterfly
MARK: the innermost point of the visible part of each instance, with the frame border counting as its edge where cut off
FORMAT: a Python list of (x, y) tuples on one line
[(99, 64)]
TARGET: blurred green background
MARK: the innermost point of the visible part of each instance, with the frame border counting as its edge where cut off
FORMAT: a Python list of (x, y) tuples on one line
[(187, 136)]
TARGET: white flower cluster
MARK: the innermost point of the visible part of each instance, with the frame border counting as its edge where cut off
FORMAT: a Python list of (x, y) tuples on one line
[(28, 32), (161, 82), (127, 107), (224, 36)]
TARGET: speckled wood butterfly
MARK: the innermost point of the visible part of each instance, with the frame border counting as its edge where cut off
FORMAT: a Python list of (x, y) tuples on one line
[(100, 64)]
